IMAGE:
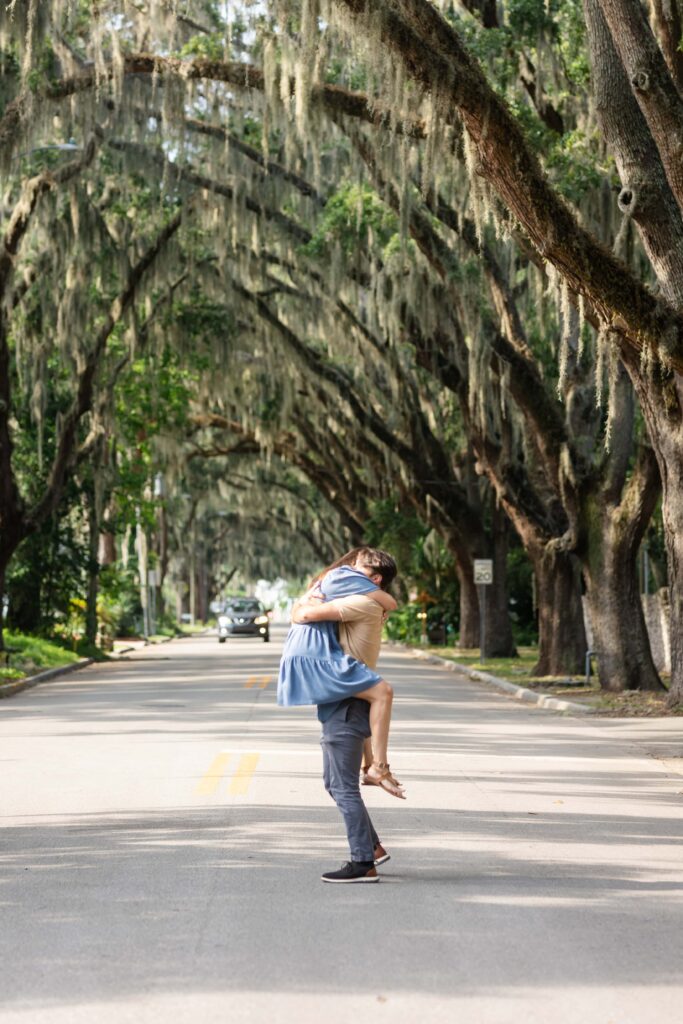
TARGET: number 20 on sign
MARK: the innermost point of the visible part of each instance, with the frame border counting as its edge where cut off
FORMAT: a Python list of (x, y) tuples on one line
[(483, 571)]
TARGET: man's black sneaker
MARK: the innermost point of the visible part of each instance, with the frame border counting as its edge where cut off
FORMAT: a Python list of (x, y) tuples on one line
[(353, 871)]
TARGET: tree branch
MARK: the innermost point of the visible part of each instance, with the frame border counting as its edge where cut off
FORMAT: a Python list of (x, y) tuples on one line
[(434, 55), (234, 73), (11, 503), (82, 402), (302, 235), (651, 82)]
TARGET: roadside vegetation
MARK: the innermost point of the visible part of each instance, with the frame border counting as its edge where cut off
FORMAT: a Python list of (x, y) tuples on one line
[(27, 655), (520, 670)]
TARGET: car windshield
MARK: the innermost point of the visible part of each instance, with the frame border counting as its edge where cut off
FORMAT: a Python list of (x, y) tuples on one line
[(243, 607)]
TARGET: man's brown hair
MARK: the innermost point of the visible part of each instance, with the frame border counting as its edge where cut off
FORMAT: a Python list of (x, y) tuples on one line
[(372, 558)]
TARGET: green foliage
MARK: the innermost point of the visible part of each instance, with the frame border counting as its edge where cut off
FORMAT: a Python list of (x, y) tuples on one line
[(570, 39), (527, 19), (119, 602), (210, 46), (164, 377), (47, 570), (573, 165), (520, 590), (396, 528), (403, 625), (45, 67), (427, 578), (31, 654), (354, 217)]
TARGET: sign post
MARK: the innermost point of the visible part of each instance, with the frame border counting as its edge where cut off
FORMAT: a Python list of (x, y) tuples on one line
[(153, 581), (424, 599), (483, 578)]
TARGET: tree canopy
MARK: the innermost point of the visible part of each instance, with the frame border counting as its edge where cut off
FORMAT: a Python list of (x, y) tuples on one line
[(309, 259)]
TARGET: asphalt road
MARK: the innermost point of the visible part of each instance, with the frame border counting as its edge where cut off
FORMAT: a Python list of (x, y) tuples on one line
[(165, 827)]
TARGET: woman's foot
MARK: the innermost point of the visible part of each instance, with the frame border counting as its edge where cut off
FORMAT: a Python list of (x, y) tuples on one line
[(379, 774), (365, 779)]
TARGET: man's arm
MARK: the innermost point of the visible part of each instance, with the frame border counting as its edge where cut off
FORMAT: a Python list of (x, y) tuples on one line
[(385, 600), (342, 609), (318, 611)]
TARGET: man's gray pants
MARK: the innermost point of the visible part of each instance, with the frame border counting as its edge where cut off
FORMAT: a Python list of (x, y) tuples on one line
[(342, 743)]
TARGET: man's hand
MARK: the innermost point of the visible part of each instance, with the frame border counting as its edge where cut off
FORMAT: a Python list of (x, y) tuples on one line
[(300, 609), (316, 611)]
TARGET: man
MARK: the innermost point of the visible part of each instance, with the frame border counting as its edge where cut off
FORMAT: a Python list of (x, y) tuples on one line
[(346, 723)]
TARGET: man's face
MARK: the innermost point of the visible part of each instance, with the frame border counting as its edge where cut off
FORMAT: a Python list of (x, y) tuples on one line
[(370, 572)]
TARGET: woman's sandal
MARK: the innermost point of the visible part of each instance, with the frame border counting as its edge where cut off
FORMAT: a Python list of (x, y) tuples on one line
[(365, 779), (386, 780)]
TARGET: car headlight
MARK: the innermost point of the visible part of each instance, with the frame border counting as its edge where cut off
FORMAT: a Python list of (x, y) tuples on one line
[(223, 620), (261, 620)]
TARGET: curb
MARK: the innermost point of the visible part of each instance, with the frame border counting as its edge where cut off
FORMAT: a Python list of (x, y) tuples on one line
[(541, 700), (9, 689)]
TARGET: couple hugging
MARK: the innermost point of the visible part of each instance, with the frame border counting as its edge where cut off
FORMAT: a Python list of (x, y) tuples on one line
[(354, 702)]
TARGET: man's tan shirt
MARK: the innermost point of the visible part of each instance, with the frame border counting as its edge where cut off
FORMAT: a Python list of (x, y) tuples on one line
[(360, 629)]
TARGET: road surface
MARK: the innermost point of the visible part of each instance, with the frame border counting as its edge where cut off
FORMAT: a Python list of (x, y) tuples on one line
[(165, 827)]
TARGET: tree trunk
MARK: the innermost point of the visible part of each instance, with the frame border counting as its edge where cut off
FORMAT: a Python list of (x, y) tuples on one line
[(561, 630), (499, 640), (672, 512), (141, 547), (660, 393), (3, 569), (193, 584), (202, 588), (93, 572), (620, 634), (162, 566), (456, 542), (469, 609), (107, 547), (668, 447), (615, 513), (11, 539)]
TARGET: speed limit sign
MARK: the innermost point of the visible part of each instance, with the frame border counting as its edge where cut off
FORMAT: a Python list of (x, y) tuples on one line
[(483, 570)]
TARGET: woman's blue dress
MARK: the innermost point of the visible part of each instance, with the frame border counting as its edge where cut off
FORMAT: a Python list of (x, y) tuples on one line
[(314, 668)]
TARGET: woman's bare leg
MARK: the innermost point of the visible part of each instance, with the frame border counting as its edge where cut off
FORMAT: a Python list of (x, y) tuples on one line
[(367, 753), (380, 698)]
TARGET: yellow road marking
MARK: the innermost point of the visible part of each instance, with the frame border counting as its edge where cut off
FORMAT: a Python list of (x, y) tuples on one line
[(212, 779), (251, 681), (265, 680), (242, 777)]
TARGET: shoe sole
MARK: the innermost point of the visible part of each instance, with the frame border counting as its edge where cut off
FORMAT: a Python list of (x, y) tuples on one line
[(383, 860), (348, 881)]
